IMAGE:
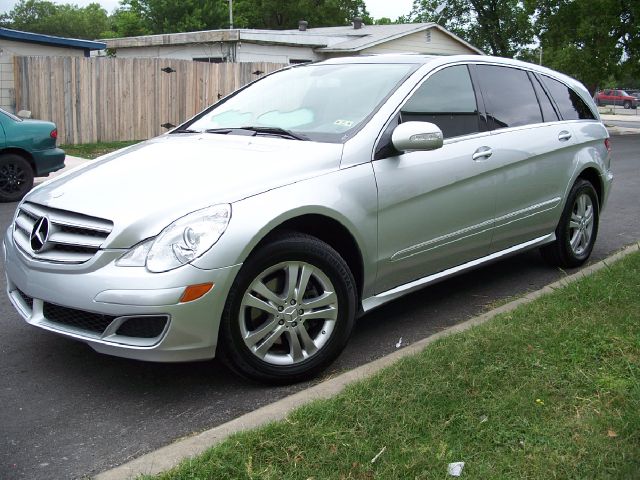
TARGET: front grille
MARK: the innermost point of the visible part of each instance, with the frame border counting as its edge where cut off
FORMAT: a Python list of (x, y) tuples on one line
[(92, 322), (26, 298), (73, 237), (143, 327)]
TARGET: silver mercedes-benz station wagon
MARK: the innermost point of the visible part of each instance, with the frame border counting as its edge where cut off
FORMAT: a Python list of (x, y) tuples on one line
[(260, 229)]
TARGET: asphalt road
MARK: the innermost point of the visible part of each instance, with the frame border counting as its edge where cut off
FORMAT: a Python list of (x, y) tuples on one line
[(68, 412)]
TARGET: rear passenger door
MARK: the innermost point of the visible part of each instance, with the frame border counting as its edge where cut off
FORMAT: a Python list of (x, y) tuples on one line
[(533, 153)]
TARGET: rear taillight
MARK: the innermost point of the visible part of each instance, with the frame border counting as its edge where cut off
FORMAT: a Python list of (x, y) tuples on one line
[(54, 133), (607, 143)]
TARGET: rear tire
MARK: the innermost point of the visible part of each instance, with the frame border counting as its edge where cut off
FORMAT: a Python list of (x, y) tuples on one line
[(627, 105), (289, 312), (577, 230), (16, 177)]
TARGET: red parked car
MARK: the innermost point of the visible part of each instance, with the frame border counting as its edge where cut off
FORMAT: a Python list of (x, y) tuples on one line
[(616, 97)]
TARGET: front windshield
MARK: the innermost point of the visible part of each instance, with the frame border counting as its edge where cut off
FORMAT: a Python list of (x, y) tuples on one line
[(321, 102)]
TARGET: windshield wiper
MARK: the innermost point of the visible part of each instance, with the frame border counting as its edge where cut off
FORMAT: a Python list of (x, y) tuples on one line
[(252, 131), (223, 131), (280, 132), (186, 130)]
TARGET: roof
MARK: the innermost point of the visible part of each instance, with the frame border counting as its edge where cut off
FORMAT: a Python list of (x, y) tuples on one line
[(371, 35), (326, 39), (20, 36)]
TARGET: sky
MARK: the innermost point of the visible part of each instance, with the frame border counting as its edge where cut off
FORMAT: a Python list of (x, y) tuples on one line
[(377, 8)]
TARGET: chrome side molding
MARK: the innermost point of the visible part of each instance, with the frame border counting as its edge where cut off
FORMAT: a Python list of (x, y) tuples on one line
[(384, 297)]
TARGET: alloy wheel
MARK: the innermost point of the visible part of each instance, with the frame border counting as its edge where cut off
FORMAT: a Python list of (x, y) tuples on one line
[(288, 313), (581, 224), (12, 178)]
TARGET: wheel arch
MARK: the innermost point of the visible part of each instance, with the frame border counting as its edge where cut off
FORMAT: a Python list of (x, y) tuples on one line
[(592, 175), (23, 153), (330, 231)]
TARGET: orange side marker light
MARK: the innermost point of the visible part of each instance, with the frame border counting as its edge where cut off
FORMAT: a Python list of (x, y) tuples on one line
[(194, 292)]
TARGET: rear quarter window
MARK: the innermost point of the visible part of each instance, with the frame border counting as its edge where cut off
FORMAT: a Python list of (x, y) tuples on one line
[(571, 106)]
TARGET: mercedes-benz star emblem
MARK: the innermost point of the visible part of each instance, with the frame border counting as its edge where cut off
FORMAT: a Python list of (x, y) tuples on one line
[(40, 234)]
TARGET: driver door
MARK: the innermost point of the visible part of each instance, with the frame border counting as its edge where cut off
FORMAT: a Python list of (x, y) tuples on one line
[(436, 208)]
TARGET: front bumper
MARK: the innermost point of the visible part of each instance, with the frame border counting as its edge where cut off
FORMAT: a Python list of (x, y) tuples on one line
[(100, 290)]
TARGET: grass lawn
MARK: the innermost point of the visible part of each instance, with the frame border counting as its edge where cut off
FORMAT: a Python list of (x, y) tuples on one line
[(94, 150), (548, 391)]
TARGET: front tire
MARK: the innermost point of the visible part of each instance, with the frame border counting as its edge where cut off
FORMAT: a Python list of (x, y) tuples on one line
[(16, 177), (627, 105), (578, 228), (290, 311)]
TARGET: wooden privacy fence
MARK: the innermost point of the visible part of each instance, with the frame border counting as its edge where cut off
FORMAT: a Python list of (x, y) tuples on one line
[(108, 99)]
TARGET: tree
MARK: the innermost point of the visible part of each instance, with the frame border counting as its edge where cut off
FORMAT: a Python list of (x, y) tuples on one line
[(498, 27), (285, 14), (383, 21), (584, 40), (125, 23), (169, 16), (41, 16)]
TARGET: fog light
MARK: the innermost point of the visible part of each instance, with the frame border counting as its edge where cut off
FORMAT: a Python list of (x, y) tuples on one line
[(194, 292)]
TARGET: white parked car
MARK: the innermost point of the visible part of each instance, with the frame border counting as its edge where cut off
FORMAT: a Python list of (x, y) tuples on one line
[(260, 229)]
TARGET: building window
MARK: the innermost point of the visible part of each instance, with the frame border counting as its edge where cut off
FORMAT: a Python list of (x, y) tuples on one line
[(427, 36), (209, 59), (296, 61)]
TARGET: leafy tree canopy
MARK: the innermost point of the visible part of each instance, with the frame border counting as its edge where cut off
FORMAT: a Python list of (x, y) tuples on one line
[(41, 16), (285, 14), (498, 27), (170, 16)]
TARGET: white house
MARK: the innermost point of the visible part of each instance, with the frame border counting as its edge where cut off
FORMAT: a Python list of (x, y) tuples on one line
[(294, 46), (16, 43)]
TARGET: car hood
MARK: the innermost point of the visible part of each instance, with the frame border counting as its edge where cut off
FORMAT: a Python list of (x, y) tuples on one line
[(144, 188)]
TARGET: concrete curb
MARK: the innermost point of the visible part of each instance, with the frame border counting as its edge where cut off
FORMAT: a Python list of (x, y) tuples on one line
[(614, 130), (621, 118), (167, 457)]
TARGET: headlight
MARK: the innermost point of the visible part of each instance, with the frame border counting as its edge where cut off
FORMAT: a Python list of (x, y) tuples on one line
[(181, 242)]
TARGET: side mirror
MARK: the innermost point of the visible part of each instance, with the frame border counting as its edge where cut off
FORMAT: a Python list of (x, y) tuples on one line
[(417, 136)]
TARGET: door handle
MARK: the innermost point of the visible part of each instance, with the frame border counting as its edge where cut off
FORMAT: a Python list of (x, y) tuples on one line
[(482, 152), (563, 136)]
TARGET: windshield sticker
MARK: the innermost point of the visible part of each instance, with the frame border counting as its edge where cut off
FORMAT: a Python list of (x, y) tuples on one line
[(343, 123)]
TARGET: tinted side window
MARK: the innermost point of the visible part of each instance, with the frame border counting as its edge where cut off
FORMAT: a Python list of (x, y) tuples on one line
[(549, 113), (446, 99), (571, 106), (508, 96)]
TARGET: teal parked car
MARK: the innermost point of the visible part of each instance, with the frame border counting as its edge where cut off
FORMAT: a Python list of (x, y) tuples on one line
[(27, 150)]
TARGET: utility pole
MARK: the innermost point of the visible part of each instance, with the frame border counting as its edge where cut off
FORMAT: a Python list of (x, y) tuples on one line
[(540, 62), (230, 14)]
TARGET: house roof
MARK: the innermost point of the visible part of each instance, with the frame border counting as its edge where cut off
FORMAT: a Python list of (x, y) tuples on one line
[(18, 35), (325, 39), (371, 35)]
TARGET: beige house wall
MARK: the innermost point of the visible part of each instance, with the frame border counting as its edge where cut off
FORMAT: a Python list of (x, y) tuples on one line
[(9, 49), (431, 41), (243, 51)]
